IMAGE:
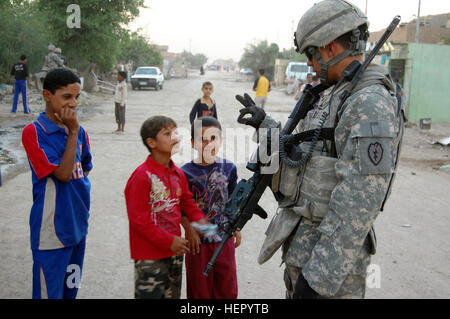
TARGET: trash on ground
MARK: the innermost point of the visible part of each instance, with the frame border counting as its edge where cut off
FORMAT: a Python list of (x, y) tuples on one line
[(425, 124), (443, 142), (406, 225)]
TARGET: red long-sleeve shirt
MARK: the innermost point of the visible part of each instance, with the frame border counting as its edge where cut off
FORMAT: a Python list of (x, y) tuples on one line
[(155, 195)]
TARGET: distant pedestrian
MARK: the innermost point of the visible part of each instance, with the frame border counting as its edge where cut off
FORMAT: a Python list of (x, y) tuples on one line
[(205, 106), (120, 100), (20, 72), (262, 87)]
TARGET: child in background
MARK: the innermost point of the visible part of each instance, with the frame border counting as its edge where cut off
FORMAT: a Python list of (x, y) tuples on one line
[(155, 194), (205, 106), (211, 180), (120, 101)]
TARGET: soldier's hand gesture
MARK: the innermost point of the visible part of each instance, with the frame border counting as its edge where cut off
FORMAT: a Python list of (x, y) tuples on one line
[(256, 112)]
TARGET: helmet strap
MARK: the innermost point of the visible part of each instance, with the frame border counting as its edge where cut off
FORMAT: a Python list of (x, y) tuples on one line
[(324, 66), (356, 46)]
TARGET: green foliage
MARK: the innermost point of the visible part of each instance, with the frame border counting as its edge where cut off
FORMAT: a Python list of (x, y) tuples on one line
[(21, 35), (136, 48), (98, 38), (29, 26), (196, 60), (263, 56), (260, 56), (445, 41), (292, 55)]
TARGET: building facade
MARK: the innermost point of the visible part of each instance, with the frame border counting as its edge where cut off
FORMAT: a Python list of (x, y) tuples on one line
[(423, 70)]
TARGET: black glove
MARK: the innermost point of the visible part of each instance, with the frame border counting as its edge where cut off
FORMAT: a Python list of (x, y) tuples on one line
[(245, 100), (302, 290), (257, 113)]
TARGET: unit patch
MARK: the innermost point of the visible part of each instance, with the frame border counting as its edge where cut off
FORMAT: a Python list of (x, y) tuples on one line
[(375, 151)]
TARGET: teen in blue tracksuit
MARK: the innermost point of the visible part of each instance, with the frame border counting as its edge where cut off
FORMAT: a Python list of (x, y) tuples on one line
[(20, 72), (59, 154)]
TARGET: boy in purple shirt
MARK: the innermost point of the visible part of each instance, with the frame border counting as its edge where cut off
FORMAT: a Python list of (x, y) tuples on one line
[(211, 180)]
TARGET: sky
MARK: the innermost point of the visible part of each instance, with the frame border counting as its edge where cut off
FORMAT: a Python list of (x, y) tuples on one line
[(222, 29)]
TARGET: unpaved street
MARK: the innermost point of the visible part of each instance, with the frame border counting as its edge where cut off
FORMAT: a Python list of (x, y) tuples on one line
[(413, 255)]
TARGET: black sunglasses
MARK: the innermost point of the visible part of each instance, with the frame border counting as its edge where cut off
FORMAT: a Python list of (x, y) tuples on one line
[(308, 54)]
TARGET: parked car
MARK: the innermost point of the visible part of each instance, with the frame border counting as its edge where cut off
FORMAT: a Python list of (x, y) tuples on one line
[(147, 76), (246, 71), (297, 70)]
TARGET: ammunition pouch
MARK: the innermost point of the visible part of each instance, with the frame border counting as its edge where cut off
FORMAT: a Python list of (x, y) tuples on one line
[(307, 190)]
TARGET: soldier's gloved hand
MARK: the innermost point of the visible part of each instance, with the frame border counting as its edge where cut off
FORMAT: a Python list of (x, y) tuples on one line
[(302, 290), (245, 100), (257, 113)]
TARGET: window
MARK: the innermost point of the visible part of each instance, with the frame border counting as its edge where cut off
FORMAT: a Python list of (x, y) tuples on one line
[(146, 71), (299, 68)]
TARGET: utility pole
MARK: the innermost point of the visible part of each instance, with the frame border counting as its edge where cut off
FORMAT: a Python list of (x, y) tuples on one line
[(366, 7), (418, 24)]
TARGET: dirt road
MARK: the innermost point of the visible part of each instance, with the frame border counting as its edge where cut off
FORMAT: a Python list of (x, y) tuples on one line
[(413, 257)]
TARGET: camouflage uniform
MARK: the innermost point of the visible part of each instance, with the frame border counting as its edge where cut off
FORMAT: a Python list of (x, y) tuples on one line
[(325, 219), (52, 60), (58, 52), (158, 279)]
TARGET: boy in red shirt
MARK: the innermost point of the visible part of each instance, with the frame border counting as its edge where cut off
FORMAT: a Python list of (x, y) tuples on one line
[(155, 194)]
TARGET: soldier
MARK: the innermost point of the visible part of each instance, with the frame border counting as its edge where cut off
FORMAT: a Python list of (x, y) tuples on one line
[(52, 60), (58, 52), (328, 205)]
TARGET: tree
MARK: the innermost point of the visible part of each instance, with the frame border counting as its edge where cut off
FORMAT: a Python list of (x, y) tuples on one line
[(98, 38), (196, 60), (292, 55), (22, 32), (136, 48), (260, 56)]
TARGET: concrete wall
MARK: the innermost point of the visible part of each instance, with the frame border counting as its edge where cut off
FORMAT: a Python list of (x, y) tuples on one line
[(280, 72), (427, 82)]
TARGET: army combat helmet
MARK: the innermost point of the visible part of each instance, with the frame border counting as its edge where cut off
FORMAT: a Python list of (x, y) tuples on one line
[(51, 47), (326, 21)]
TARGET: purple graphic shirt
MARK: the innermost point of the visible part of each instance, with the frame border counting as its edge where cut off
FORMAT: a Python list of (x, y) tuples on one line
[(210, 186)]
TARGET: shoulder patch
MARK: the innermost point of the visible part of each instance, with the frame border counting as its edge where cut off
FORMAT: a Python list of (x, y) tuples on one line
[(375, 152)]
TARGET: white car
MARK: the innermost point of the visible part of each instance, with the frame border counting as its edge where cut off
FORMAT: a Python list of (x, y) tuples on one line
[(147, 76), (246, 71), (297, 70)]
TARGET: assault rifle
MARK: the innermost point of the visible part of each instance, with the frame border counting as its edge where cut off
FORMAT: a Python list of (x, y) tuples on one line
[(243, 202)]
